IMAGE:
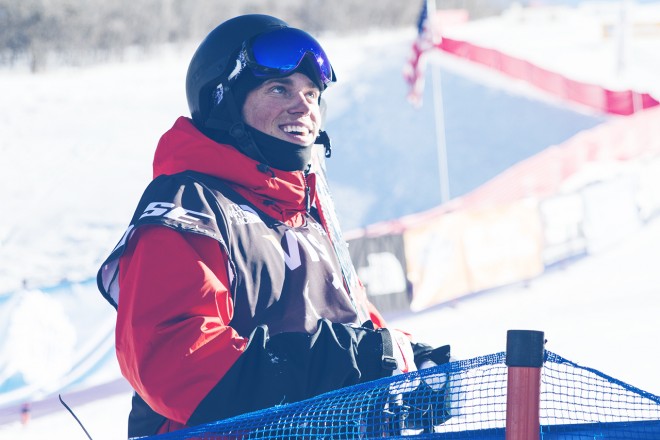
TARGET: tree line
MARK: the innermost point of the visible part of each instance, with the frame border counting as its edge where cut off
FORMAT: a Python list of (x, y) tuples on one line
[(85, 31)]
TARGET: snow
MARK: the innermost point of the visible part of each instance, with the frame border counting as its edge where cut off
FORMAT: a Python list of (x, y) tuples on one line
[(76, 154)]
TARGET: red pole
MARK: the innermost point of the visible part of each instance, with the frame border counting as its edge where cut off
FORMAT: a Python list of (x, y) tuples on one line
[(524, 357)]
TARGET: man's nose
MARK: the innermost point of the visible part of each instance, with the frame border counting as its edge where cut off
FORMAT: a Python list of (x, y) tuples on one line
[(300, 104)]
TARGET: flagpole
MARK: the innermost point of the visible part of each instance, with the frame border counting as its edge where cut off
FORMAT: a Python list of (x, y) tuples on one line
[(438, 110)]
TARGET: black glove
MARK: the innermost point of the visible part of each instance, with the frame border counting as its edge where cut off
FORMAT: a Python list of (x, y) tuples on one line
[(424, 353), (427, 405)]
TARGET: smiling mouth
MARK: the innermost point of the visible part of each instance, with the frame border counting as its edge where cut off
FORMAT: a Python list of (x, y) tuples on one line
[(296, 130)]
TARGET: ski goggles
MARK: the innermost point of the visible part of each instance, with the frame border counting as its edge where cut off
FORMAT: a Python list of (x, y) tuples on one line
[(280, 52)]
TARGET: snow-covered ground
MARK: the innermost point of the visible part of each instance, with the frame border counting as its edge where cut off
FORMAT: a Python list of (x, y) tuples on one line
[(600, 312), (76, 152)]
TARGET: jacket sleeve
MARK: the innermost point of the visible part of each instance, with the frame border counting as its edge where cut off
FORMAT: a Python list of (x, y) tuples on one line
[(173, 338)]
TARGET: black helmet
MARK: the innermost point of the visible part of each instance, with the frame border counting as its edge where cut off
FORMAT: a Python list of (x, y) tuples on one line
[(234, 58), (215, 57), (233, 45)]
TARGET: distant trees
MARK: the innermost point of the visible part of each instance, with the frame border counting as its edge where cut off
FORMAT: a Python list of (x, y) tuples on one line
[(82, 31)]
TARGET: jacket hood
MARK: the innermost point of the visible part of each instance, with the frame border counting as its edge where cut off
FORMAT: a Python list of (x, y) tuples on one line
[(281, 194)]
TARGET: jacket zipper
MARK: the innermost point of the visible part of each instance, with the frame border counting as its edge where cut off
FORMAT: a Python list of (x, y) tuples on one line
[(308, 201)]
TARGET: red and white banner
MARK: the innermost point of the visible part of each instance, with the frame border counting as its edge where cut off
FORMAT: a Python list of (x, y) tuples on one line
[(618, 102)]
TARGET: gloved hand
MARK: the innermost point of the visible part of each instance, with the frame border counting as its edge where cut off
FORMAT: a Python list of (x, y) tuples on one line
[(411, 403), (418, 404), (428, 357), (428, 405)]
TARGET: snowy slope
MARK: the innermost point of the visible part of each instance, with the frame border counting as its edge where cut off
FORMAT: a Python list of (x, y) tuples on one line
[(385, 154)]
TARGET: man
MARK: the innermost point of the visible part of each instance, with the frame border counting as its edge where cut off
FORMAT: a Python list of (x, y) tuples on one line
[(236, 294)]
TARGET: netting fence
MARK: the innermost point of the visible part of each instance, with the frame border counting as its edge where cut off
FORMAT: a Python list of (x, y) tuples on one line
[(460, 400)]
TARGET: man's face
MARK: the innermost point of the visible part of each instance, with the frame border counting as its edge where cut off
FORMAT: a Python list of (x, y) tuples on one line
[(285, 108)]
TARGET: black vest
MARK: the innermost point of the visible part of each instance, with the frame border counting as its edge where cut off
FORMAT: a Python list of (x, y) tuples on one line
[(284, 277)]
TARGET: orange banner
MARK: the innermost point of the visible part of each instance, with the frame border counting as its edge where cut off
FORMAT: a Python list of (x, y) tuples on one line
[(435, 261), (503, 245)]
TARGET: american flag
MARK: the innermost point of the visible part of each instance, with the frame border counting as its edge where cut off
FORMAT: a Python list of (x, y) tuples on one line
[(413, 71)]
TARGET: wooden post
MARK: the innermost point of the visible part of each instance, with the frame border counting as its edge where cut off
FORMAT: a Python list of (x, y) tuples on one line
[(524, 359)]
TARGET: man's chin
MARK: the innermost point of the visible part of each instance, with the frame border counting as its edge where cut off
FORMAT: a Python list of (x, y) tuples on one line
[(301, 142)]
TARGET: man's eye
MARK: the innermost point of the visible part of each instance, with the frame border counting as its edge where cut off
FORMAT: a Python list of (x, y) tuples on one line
[(277, 89)]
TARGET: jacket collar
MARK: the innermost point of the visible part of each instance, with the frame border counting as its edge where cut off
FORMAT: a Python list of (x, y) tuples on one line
[(281, 194)]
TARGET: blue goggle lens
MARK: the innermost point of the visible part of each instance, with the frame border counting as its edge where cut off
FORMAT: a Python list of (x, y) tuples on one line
[(281, 51)]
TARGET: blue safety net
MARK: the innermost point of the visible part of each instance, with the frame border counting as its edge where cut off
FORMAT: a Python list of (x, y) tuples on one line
[(459, 400)]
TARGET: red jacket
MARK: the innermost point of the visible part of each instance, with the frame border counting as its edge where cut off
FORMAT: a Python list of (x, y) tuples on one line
[(174, 337)]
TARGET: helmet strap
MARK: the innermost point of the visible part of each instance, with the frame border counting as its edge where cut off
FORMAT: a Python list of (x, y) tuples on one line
[(235, 127), (324, 140)]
